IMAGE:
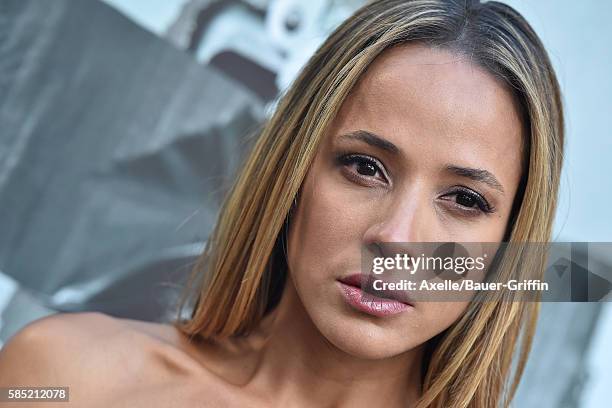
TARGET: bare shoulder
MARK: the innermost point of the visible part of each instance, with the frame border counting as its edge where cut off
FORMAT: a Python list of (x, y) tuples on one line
[(53, 339), (93, 353)]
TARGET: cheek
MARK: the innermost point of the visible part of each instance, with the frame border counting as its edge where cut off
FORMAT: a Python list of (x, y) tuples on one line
[(484, 228), (324, 226), (490, 230)]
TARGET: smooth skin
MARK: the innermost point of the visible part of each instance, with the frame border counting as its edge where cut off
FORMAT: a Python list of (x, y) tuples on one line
[(386, 172)]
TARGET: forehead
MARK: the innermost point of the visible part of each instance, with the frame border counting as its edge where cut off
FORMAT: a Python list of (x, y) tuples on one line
[(439, 102)]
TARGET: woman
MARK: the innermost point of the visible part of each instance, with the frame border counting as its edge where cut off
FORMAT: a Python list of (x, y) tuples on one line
[(416, 121)]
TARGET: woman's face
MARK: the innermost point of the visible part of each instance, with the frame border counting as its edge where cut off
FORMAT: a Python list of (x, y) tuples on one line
[(426, 148)]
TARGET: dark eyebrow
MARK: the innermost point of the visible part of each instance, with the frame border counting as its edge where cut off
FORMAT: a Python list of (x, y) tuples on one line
[(480, 175), (373, 140)]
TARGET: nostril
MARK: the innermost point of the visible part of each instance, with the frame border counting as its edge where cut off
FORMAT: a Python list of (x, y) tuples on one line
[(376, 249)]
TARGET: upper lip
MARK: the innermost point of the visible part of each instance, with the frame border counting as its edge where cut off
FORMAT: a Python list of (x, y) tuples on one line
[(366, 283)]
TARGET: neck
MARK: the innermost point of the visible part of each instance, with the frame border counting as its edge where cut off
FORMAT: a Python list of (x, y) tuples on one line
[(300, 367)]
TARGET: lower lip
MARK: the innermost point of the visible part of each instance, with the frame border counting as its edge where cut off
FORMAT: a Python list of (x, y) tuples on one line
[(370, 304)]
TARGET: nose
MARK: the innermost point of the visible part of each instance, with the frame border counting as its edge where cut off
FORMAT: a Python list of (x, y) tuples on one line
[(407, 217)]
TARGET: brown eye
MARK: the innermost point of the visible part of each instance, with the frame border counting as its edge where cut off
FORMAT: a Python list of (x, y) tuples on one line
[(469, 200), (366, 168), (465, 200)]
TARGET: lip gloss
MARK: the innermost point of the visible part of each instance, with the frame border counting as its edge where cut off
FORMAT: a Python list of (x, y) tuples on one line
[(370, 304)]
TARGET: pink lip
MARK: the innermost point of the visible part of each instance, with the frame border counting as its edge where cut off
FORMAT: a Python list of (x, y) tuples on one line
[(366, 302)]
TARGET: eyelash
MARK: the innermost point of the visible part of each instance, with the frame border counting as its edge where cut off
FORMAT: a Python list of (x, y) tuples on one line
[(351, 158), (347, 159), (481, 202)]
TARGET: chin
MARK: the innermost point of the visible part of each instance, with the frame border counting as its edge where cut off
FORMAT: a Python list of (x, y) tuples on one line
[(362, 336)]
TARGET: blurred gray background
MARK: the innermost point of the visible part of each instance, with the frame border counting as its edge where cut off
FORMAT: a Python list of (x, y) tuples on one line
[(122, 122)]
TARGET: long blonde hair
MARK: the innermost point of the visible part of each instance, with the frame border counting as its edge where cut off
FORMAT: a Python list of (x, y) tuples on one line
[(239, 277)]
